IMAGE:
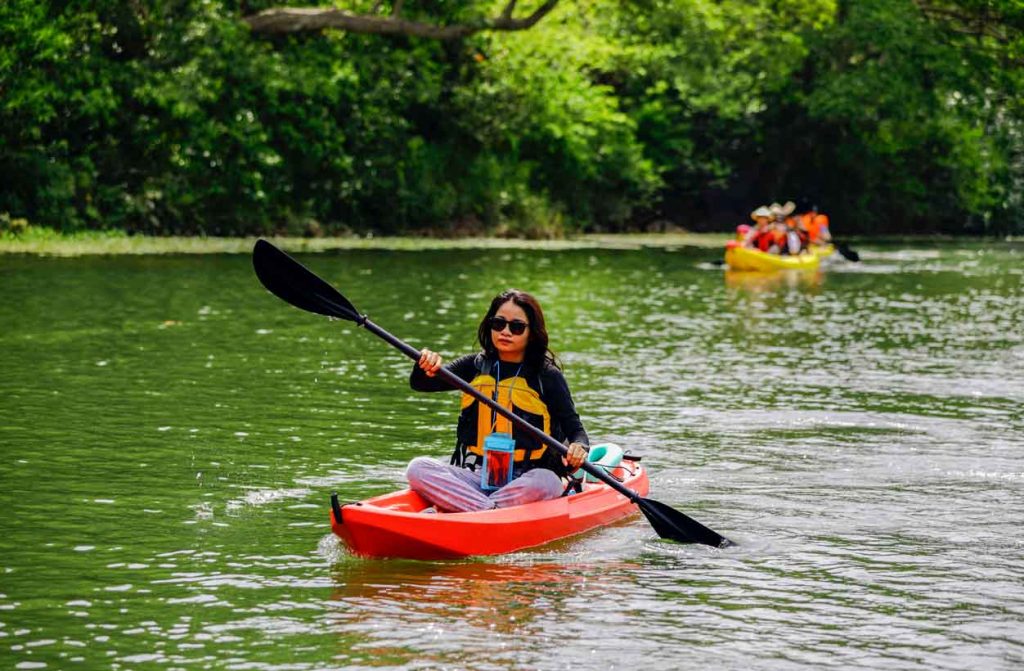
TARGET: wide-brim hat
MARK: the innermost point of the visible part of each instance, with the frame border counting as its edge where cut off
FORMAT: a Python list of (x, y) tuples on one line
[(761, 212), (783, 210)]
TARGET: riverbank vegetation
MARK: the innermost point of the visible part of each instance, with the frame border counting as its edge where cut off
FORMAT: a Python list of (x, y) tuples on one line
[(177, 118), (43, 241)]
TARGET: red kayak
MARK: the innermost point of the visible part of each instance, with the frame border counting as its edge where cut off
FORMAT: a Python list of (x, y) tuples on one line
[(394, 525)]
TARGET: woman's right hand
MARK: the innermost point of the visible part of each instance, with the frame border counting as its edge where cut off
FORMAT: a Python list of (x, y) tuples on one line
[(430, 362)]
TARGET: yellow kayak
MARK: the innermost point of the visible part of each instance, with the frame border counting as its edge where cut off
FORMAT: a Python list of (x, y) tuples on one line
[(745, 258)]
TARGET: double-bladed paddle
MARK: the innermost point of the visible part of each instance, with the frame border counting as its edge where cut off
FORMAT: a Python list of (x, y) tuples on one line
[(292, 282)]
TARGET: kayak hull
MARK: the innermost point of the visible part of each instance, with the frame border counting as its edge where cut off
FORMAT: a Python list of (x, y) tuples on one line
[(745, 258), (393, 525)]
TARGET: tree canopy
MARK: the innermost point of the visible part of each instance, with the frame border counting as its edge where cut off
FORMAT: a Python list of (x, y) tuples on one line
[(190, 116)]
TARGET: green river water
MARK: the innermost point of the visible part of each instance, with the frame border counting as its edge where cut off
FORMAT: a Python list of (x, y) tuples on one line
[(171, 433)]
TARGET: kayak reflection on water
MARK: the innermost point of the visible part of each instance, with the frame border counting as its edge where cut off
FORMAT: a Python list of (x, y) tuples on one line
[(471, 591), (768, 281)]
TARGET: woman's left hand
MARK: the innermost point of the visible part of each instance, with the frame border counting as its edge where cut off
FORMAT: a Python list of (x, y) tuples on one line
[(575, 455)]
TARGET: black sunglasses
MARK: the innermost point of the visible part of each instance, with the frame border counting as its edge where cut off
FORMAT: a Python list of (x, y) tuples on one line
[(516, 326)]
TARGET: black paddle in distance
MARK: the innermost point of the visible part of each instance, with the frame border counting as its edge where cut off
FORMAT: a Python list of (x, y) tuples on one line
[(846, 252), (293, 283)]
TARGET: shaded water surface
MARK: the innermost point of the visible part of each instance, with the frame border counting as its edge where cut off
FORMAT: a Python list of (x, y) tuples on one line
[(171, 434)]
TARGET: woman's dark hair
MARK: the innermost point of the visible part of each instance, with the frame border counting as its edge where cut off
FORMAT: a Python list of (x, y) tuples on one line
[(537, 352)]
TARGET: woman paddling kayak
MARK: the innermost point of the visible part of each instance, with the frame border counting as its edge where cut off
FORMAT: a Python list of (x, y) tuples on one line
[(494, 464), (379, 527)]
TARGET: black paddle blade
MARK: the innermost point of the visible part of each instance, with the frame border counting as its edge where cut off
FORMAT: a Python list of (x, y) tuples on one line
[(675, 526), (847, 253), (293, 283)]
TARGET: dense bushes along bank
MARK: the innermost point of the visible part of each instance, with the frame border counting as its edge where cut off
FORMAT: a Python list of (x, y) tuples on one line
[(170, 117)]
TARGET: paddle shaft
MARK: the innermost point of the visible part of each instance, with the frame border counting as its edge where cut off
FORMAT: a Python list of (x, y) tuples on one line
[(520, 423)]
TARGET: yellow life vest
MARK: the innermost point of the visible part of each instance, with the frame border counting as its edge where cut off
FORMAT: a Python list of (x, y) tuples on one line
[(477, 420)]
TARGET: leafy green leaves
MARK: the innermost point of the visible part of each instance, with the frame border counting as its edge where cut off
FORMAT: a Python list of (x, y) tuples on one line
[(169, 116)]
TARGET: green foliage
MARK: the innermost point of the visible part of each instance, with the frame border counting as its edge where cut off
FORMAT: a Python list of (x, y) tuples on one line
[(698, 76), (169, 117), (919, 126), (555, 132)]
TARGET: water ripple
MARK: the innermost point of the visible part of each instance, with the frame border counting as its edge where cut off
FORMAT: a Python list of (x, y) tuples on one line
[(171, 443)]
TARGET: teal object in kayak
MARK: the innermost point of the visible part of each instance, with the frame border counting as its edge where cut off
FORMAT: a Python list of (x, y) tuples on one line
[(606, 455)]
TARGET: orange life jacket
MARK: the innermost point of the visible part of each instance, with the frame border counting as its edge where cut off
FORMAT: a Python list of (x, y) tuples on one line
[(813, 230)]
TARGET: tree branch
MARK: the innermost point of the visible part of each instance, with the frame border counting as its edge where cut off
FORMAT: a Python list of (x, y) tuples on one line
[(279, 20), (509, 8)]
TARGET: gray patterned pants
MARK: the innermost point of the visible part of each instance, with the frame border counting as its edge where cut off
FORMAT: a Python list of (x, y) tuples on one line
[(455, 489)]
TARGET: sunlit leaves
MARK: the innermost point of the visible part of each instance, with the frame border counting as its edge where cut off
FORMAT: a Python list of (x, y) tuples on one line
[(169, 116)]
